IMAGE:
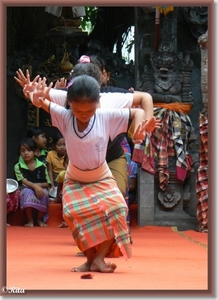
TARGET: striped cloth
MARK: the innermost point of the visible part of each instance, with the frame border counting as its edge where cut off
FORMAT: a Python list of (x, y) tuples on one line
[(202, 176), (96, 212), (171, 140)]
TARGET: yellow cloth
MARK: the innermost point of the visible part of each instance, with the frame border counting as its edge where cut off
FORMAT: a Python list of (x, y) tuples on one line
[(118, 169), (131, 129), (165, 9), (60, 177)]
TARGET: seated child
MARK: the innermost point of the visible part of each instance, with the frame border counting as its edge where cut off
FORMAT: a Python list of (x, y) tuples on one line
[(32, 176), (55, 159), (38, 135)]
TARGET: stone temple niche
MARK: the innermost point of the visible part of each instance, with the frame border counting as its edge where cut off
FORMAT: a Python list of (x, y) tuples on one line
[(167, 175)]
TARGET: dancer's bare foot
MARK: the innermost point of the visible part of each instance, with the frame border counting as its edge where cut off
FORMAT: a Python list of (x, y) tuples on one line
[(83, 268), (41, 224), (101, 266), (29, 224), (8, 224)]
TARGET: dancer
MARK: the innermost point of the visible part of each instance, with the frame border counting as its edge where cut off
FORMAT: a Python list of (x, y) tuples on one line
[(93, 205)]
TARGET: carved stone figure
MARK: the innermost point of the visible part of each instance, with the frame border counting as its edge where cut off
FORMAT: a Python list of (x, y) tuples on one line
[(171, 77)]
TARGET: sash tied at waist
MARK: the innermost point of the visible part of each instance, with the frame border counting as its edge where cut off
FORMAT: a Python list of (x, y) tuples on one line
[(88, 176)]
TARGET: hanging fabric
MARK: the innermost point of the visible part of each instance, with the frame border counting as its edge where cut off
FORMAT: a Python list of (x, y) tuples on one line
[(165, 9)]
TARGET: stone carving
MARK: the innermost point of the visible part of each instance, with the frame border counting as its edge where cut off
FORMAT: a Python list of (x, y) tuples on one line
[(197, 17), (170, 197), (171, 77), (33, 113)]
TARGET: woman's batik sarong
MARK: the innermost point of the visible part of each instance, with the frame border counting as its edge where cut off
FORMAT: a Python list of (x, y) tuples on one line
[(28, 198)]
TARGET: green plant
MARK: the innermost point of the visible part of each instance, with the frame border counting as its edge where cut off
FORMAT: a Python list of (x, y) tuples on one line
[(89, 20)]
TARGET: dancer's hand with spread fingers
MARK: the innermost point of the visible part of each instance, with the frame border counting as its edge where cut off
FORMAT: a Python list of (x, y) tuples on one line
[(31, 84), (150, 125), (40, 92), (28, 85), (22, 80), (143, 128), (60, 84), (140, 133)]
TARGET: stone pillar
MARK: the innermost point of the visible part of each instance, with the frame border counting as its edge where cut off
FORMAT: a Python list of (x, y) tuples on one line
[(203, 42), (145, 198)]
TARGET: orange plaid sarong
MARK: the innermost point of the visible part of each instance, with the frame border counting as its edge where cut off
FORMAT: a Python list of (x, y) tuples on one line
[(96, 212)]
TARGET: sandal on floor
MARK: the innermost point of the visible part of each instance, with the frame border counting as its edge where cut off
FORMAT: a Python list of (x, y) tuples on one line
[(79, 252), (63, 225)]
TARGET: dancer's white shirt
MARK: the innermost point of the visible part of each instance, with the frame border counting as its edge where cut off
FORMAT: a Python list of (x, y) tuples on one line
[(87, 150)]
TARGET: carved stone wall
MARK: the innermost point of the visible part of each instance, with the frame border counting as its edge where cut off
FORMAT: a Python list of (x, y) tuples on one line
[(173, 204)]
